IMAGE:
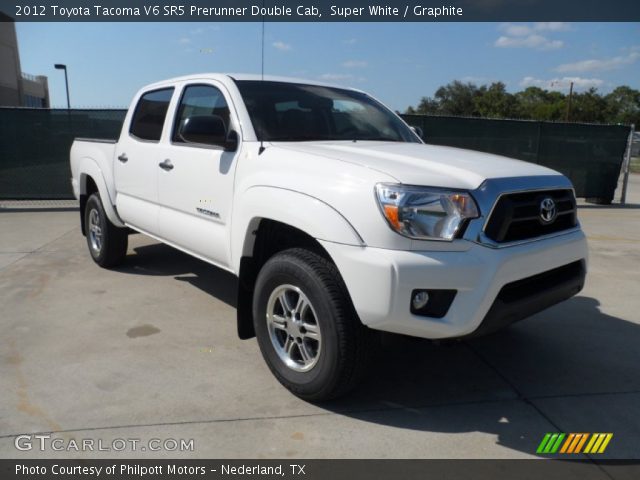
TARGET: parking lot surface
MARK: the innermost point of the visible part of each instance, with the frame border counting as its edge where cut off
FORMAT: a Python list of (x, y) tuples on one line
[(149, 351)]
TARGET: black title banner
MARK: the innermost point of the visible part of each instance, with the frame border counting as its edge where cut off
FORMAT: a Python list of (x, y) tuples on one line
[(296, 469), (319, 10)]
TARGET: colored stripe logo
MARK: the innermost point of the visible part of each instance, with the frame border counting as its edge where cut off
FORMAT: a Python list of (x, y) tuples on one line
[(553, 443)]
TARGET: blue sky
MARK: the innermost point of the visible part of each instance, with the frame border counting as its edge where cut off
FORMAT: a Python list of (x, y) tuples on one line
[(396, 62)]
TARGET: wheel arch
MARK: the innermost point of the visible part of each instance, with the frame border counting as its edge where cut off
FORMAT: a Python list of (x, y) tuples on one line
[(268, 238), (272, 219), (310, 215), (92, 180)]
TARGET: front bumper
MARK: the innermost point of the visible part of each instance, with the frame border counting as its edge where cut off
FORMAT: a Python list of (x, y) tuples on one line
[(381, 281)]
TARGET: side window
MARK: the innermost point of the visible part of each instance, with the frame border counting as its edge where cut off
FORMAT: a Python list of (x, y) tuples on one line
[(150, 113), (201, 103)]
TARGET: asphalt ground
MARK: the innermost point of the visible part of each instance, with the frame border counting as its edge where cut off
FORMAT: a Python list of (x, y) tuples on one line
[(149, 351)]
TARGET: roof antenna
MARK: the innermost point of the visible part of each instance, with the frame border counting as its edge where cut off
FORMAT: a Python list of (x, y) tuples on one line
[(261, 149)]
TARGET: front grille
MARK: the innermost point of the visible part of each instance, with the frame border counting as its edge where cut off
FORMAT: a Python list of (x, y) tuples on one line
[(516, 216)]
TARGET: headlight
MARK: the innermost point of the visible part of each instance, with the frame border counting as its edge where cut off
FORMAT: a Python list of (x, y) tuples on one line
[(425, 212)]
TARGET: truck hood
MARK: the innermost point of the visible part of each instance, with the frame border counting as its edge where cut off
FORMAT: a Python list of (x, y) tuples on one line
[(421, 164)]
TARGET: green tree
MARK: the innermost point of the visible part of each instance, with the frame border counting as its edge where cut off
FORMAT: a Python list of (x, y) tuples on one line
[(623, 106), (589, 107), (427, 106), (457, 98), (495, 102), (535, 103)]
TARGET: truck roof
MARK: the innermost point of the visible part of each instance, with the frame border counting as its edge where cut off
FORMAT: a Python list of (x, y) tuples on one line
[(223, 77)]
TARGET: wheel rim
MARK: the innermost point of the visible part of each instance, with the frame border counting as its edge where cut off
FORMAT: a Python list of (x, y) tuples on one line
[(95, 231), (293, 328)]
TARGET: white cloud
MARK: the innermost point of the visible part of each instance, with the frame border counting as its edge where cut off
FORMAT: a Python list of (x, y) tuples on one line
[(552, 26), (336, 76), (354, 64), (530, 41), (562, 84), (517, 35), (197, 31), (283, 47), (184, 41), (599, 65), (516, 30), (342, 78), (350, 41), (521, 30)]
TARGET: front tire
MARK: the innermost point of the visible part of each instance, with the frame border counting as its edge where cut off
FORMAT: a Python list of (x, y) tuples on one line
[(107, 243), (308, 331)]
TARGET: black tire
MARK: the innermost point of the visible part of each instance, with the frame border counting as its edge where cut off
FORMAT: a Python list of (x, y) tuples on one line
[(345, 349), (108, 245)]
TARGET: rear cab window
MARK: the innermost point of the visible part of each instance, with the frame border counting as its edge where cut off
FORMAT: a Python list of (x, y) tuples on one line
[(150, 114)]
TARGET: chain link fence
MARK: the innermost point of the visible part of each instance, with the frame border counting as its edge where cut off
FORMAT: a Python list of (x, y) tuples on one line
[(35, 144)]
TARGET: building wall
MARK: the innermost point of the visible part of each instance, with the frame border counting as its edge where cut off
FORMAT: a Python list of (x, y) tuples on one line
[(10, 71), (35, 92), (16, 88)]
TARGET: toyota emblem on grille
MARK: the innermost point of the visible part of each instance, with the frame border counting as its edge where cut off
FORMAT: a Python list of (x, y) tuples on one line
[(548, 210)]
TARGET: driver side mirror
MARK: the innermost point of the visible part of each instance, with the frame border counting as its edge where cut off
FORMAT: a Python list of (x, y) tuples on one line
[(208, 130), (231, 145), (418, 131)]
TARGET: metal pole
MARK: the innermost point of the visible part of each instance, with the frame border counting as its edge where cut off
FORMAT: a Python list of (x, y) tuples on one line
[(625, 166), (568, 115), (66, 82)]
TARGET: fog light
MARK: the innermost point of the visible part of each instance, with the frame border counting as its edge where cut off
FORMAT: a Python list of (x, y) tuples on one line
[(419, 300), (431, 302)]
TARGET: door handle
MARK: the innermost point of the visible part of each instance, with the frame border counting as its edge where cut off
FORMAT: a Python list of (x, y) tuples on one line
[(123, 158), (166, 165)]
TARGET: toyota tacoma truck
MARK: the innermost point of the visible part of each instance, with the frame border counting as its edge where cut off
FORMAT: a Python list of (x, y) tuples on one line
[(337, 219)]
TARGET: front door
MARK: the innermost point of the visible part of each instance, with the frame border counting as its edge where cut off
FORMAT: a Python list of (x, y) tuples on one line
[(195, 186)]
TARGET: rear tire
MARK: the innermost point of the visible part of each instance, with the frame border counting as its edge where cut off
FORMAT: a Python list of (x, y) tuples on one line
[(308, 331), (107, 243)]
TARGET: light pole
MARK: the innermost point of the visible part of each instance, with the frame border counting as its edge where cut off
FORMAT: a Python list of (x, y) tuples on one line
[(568, 117), (60, 66)]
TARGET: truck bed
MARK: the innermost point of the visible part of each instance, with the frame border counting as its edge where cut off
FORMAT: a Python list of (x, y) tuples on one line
[(94, 157)]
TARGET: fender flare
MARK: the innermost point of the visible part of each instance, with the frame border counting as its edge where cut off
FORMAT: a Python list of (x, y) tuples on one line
[(89, 168), (296, 209)]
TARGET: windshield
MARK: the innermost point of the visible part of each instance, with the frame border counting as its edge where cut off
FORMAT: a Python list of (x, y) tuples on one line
[(291, 112)]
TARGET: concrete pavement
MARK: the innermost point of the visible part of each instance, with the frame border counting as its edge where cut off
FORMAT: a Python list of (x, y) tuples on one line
[(150, 351)]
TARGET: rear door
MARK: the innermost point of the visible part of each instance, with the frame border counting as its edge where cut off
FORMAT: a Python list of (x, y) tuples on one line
[(138, 154), (196, 186)]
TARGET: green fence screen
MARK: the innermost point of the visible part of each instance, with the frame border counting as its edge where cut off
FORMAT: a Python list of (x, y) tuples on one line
[(590, 155), (35, 144)]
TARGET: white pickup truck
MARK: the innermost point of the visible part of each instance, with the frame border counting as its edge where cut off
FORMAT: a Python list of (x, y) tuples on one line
[(335, 216)]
